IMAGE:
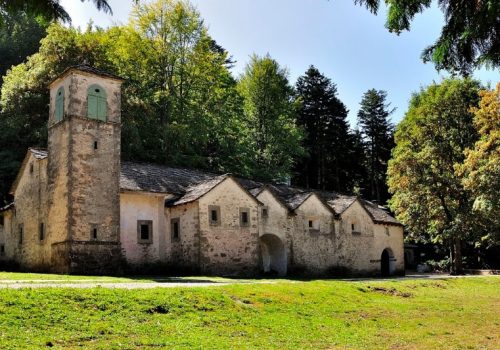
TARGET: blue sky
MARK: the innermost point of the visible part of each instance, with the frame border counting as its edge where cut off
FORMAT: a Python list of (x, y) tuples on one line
[(344, 41)]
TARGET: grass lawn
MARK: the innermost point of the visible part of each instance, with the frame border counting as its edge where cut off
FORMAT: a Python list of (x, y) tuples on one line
[(459, 313)]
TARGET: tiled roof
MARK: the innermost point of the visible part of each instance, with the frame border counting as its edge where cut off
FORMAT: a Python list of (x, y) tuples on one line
[(89, 69), (160, 179), (379, 214), (197, 191)]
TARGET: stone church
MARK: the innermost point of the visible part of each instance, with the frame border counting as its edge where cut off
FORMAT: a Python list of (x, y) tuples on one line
[(79, 209)]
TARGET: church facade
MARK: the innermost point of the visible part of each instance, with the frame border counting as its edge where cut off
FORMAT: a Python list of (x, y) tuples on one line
[(79, 209)]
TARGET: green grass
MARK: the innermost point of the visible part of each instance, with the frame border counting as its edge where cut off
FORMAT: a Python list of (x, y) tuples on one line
[(406, 314), (22, 277)]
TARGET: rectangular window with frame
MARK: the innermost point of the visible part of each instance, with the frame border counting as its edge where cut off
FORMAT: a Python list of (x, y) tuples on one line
[(144, 231), (244, 217), (214, 215), (41, 232), (175, 229)]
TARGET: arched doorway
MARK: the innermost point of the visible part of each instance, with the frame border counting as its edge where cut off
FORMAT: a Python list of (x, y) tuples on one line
[(273, 255), (387, 263)]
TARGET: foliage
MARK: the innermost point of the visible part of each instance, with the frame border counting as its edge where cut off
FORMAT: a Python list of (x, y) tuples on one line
[(481, 167), (377, 132), (428, 196), (49, 9), (19, 38), (270, 111), (330, 162), (325, 314), (469, 38)]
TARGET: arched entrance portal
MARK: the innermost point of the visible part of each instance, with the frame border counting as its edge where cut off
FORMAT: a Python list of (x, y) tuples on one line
[(387, 262), (273, 255)]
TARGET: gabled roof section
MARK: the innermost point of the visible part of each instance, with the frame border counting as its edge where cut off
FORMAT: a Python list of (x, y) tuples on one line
[(379, 214), (7, 207), (197, 191), (38, 154)]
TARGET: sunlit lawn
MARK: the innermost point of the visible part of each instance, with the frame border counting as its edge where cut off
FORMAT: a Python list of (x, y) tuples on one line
[(406, 314)]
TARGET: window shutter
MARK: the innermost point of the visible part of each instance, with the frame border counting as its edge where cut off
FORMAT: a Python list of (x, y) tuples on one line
[(59, 113), (101, 109), (92, 106)]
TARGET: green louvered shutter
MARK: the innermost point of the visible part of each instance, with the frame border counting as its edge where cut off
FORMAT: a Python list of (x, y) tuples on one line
[(59, 113), (102, 108), (97, 107)]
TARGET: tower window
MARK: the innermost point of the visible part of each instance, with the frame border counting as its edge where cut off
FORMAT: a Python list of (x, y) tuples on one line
[(59, 106), (31, 168), (144, 231), (175, 228), (94, 232), (97, 106), (96, 145), (21, 234), (244, 217), (41, 232)]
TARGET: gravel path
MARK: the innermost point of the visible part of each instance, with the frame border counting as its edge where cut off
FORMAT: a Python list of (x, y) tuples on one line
[(86, 283)]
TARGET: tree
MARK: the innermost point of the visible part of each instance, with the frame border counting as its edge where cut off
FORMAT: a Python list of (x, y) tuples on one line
[(49, 9), (481, 167), (377, 132), (469, 38), (428, 196), (270, 112), (327, 141), (19, 38)]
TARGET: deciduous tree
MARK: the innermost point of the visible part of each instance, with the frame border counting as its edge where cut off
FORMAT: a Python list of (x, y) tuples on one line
[(428, 195)]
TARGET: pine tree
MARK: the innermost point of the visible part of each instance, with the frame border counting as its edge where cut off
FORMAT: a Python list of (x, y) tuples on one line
[(377, 132), (328, 164)]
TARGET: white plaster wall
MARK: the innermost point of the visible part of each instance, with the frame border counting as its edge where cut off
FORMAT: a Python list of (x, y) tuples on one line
[(140, 206)]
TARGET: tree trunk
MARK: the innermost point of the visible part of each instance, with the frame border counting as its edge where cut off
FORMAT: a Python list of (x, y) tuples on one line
[(457, 268)]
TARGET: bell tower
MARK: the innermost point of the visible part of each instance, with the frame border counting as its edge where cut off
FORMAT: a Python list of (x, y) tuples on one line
[(84, 171)]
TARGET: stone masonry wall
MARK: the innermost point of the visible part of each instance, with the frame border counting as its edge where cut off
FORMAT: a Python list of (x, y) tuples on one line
[(313, 249), (184, 251), (228, 248)]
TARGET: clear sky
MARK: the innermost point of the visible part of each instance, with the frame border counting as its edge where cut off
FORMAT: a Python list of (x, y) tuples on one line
[(344, 41)]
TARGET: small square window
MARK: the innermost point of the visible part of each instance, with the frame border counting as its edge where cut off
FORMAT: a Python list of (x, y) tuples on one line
[(144, 231), (214, 214), (41, 232), (244, 217), (175, 229), (265, 212)]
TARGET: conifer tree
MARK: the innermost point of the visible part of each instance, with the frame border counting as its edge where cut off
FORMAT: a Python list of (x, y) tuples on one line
[(377, 132), (327, 164)]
